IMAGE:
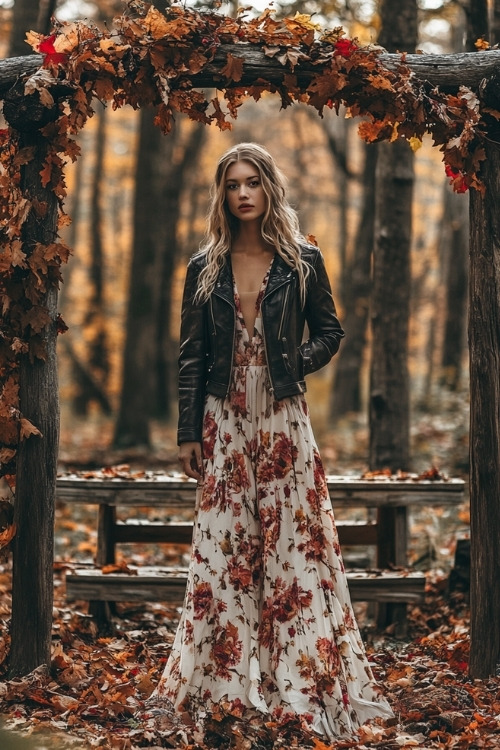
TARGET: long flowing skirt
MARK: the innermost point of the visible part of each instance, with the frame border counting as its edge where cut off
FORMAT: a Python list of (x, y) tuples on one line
[(267, 622)]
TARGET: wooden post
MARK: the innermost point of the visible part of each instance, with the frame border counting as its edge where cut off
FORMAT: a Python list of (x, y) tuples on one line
[(484, 341), (33, 546)]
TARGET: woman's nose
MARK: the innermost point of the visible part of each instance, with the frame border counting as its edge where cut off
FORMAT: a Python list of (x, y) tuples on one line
[(243, 191)]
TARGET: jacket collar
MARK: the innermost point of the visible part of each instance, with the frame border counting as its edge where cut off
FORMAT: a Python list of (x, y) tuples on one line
[(280, 274)]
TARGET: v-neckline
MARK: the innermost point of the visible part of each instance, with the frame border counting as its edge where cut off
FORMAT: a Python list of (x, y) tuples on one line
[(258, 300)]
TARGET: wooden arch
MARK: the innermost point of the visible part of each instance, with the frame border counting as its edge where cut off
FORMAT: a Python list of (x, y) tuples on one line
[(164, 61)]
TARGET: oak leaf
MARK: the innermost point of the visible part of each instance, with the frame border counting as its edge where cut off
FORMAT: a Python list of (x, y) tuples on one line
[(219, 116), (197, 62), (110, 47), (233, 69), (380, 82), (12, 256), (28, 429), (37, 317)]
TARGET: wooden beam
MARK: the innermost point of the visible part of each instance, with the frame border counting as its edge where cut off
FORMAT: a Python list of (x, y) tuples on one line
[(449, 72)]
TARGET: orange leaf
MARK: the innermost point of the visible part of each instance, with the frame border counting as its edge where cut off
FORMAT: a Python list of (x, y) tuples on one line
[(121, 567), (319, 745), (481, 44), (46, 173), (7, 535)]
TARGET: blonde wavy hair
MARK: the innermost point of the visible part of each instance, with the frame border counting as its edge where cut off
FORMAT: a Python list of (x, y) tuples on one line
[(280, 223)]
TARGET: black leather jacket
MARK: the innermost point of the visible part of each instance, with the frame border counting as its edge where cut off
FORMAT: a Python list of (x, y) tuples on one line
[(207, 335)]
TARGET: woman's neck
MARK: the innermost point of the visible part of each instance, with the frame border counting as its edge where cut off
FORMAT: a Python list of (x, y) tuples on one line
[(249, 240)]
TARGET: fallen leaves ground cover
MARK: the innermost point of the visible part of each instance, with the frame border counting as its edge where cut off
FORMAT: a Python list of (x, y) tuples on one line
[(97, 683)]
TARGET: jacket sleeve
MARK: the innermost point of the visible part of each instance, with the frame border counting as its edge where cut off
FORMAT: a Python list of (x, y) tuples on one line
[(192, 361), (325, 331)]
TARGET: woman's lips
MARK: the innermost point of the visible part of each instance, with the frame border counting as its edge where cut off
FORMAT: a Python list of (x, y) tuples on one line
[(245, 207)]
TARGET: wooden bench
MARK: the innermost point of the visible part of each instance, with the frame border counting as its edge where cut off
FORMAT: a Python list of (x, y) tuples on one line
[(142, 584), (393, 497)]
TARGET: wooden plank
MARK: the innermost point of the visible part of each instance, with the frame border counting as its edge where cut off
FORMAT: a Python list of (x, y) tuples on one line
[(168, 584), (153, 532), (173, 492), (175, 532)]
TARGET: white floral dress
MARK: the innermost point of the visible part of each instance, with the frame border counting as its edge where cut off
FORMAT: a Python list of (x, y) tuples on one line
[(267, 622)]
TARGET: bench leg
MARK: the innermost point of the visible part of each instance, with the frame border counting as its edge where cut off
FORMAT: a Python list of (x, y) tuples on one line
[(102, 611), (394, 615), (392, 525)]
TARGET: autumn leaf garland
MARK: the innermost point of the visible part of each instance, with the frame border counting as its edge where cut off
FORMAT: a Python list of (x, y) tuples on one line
[(155, 59)]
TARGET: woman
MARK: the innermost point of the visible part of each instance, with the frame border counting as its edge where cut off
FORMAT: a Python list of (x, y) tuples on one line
[(267, 623)]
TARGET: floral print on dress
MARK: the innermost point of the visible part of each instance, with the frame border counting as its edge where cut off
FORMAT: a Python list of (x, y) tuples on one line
[(267, 623)]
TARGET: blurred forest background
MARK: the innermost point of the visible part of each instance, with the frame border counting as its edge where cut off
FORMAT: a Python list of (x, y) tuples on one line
[(138, 200)]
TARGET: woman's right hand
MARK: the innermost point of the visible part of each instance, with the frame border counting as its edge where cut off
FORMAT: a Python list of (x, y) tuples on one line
[(190, 459)]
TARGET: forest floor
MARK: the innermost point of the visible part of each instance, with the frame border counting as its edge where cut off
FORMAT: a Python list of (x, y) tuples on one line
[(93, 694)]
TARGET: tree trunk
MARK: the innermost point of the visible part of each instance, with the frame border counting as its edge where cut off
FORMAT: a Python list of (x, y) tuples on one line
[(476, 14), (455, 250), (95, 319), (484, 341), (346, 391), (495, 22), (174, 178), (454, 247), (132, 426), (389, 381), (25, 15), (148, 373), (32, 581)]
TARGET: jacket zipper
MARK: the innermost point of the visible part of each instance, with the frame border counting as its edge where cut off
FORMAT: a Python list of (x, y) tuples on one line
[(232, 352), (280, 330), (213, 334)]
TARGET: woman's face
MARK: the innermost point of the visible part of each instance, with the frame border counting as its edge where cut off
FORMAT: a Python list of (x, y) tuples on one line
[(245, 196)]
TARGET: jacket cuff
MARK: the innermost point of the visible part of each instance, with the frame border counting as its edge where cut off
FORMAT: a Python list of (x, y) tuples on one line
[(185, 435)]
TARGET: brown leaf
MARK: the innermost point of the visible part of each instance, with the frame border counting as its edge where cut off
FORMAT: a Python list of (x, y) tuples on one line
[(37, 317), (28, 429), (219, 116), (24, 156), (7, 454), (12, 256), (233, 69)]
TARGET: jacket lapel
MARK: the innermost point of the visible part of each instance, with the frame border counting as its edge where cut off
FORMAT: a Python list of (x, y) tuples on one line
[(280, 274), (224, 284)]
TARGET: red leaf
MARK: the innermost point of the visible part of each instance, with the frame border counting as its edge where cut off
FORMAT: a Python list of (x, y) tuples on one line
[(46, 47), (345, 47)]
